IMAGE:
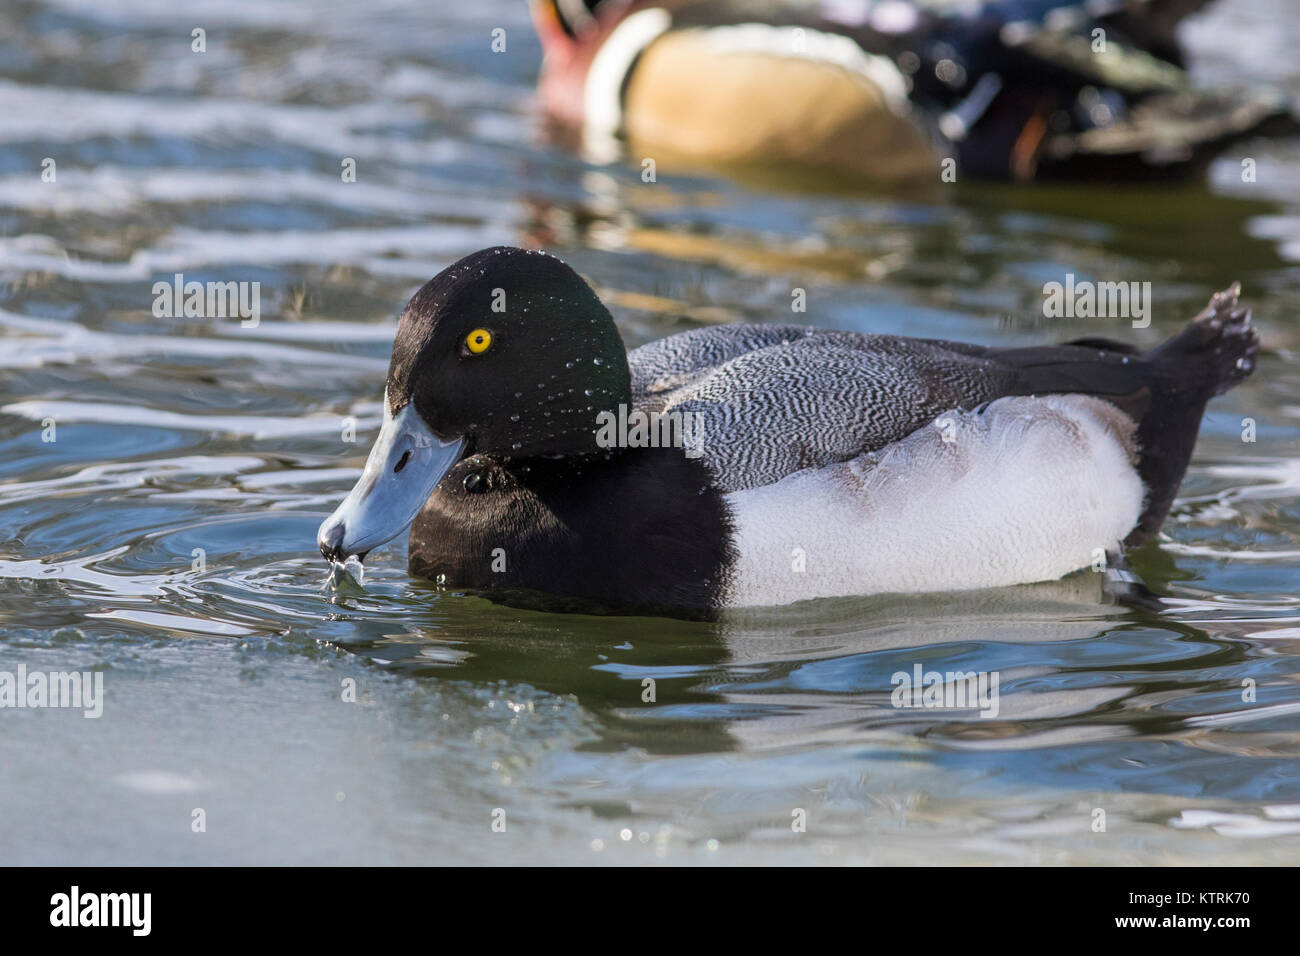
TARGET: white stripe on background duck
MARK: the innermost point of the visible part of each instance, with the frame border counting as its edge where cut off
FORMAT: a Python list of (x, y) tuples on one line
[(830, 463)]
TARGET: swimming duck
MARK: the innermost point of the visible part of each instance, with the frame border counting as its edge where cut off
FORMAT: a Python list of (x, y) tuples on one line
[(887, 90), (525, 449)]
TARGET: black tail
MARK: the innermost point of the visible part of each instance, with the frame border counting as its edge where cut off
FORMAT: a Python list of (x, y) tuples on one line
[(1213, 353), (1164, 390)]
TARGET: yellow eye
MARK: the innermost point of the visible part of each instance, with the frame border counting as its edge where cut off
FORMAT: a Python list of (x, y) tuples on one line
[(478, 341)]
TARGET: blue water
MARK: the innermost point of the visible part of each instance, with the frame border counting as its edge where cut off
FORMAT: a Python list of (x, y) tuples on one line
[(225, 681)]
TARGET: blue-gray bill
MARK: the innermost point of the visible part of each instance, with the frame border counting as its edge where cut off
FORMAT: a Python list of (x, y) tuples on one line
[(405, 464)]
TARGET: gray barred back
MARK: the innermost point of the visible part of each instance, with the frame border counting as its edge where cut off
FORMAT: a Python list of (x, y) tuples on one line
[(773, 400)]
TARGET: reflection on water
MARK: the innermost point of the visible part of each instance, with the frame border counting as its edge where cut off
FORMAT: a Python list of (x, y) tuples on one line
[(166, 537)]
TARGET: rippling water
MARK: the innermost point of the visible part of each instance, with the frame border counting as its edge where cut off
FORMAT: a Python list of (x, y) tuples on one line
[(181, 439)]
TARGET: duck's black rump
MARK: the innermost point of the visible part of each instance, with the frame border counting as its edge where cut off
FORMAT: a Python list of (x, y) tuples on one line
[(1164, 390)]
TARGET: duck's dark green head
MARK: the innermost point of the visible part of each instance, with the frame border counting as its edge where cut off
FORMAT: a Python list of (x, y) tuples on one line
[(507, 353), (512, 351)]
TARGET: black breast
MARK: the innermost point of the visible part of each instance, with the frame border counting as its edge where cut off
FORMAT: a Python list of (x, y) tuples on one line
[(641, 531)]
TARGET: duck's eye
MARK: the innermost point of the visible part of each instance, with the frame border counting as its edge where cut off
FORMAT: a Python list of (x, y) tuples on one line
[(478, 341)]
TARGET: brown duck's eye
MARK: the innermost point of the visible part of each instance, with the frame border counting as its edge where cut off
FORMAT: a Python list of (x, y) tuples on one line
[(478, 341)]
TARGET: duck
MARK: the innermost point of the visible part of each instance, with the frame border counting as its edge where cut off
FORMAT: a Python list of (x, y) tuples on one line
[(889, 91), (537, 462)]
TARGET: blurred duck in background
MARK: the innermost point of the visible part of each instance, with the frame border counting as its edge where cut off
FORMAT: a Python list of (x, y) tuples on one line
[(887, 90)]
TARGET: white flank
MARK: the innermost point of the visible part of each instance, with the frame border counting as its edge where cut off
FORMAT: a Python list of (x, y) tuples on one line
[(1026, 490)]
